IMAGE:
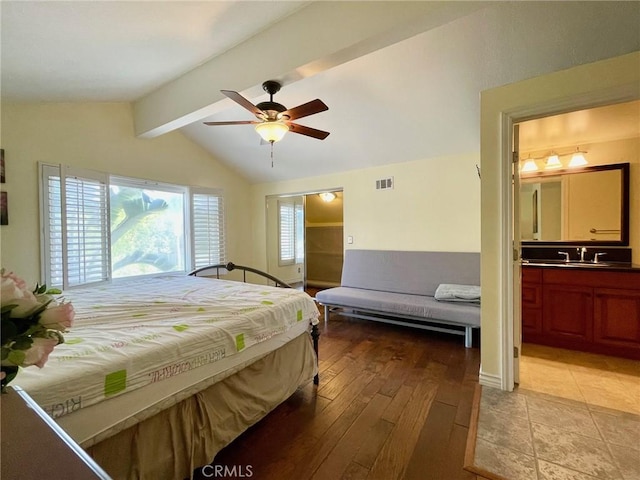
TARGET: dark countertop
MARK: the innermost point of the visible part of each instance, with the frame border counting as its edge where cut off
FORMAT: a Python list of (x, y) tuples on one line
[(606, 266)]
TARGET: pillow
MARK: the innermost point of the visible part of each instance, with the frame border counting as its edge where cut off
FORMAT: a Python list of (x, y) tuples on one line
[(449, 292)]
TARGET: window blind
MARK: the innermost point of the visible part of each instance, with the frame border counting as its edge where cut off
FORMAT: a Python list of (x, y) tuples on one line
[(286, 222), (75, 226), (207, 218), (86, 230)]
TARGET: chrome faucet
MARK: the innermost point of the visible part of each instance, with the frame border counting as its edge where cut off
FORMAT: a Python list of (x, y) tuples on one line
[(582, 251), (596, 257), (566, 255)]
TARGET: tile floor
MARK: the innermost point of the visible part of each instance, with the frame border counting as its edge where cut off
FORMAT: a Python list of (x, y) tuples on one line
[(574, 416)]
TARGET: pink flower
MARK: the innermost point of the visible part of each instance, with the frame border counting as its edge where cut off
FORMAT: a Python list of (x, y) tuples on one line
[(14, 291), (58, 317), (39, 352)]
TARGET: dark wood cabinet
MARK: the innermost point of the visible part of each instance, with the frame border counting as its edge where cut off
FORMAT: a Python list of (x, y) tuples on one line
[(567, 313), (617, 318), (582, 309), (531, 302)]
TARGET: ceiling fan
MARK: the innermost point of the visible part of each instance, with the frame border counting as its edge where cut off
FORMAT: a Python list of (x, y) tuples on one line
[(274, 119)]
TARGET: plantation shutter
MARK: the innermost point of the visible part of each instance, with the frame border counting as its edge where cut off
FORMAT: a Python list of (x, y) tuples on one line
[(52, 219), (208, 237), (286, 222), (86, 227), (76, 227), (299, 228)]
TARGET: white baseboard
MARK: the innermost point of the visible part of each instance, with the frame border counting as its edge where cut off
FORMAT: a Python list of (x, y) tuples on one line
[(490, 380)]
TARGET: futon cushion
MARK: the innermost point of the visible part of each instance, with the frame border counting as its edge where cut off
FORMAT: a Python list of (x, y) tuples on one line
[(402, 304), (417, 273)]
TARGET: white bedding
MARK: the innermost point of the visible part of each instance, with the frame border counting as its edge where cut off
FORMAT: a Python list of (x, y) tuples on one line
[(139, 332)]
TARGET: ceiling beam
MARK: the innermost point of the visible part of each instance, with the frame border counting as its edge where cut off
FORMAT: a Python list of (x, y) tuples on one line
[(315, 38)]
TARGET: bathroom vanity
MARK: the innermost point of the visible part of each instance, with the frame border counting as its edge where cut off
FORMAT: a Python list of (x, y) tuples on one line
[(593, 307), (570, 221)]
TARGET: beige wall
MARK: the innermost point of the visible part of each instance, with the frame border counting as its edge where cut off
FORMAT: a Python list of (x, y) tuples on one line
[(601, 82), (434, 205), (99, 136)]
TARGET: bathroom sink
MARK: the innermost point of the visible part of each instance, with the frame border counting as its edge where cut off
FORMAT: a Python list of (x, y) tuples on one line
[(588, 264), (543, 262), (565, 263)]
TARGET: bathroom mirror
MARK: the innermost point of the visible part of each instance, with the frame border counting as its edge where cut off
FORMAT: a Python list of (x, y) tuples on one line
[(588, 205)]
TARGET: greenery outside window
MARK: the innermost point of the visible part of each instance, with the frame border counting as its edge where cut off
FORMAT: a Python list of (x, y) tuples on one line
[(147, 227)]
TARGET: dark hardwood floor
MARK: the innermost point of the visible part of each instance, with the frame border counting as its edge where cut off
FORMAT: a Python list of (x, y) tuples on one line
[(393, 403)]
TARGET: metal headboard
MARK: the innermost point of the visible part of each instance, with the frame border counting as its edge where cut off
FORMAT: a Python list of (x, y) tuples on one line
[(232, 266)]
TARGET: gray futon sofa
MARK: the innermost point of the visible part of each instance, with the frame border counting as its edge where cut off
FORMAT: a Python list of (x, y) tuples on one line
[(401, 287)]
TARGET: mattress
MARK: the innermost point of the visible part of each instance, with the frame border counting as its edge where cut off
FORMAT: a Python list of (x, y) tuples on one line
[(91, 425), (137, 333)]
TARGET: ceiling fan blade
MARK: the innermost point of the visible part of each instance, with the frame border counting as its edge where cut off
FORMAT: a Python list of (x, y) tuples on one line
[(308, 131), (239, 122), (240, 100), (304, 110)]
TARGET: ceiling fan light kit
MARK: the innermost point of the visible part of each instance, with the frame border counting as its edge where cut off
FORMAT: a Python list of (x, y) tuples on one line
[(272, 131), (274, 120)]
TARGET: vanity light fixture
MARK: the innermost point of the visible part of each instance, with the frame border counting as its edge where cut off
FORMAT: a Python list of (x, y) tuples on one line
[(553, 162), (529, 166), (327, 196), (578, 160)]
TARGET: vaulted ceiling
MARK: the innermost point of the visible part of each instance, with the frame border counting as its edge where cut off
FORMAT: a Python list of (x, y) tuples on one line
[(402, 79)]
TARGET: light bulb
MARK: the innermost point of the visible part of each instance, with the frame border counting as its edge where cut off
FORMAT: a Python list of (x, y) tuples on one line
[(553, 162), (272, 131), (578, 160), (529, 166)]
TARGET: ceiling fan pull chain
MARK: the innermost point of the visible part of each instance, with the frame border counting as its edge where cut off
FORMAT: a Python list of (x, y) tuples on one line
[(271, 142)]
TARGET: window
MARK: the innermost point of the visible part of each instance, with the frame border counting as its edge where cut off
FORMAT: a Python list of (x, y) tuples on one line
[(147, 228), (98, 227), (291, 232)]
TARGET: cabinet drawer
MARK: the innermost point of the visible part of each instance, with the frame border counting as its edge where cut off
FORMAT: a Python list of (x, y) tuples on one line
[(592, 278)]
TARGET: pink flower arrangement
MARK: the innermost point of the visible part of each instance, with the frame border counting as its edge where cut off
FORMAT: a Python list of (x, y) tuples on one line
[(32, 324)]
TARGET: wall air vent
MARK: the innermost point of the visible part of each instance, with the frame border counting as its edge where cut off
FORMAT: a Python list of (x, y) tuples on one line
[(385, 183)]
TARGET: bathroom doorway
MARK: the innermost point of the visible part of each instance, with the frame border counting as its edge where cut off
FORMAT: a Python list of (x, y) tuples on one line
[(599, 136)]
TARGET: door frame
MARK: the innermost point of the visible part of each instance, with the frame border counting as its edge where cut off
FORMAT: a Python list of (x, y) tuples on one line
[(517, 253), (302, 194), (597, 98)]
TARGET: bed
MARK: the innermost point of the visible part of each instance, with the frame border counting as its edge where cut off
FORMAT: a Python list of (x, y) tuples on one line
[(158, 375)]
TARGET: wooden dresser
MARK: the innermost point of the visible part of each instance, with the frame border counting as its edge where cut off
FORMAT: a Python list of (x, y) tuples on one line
[(34, 446)]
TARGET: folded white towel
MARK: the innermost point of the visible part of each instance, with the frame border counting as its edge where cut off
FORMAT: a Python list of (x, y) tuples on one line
[(448, 292)]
